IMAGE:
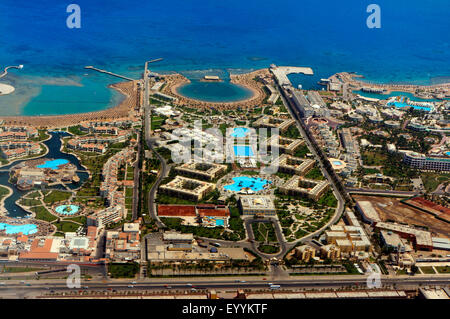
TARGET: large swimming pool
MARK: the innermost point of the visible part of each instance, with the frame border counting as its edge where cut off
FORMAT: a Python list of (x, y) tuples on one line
[(243, 150), (239, 132), (25, 229), (67, 209), (53, 164), (254, 183)]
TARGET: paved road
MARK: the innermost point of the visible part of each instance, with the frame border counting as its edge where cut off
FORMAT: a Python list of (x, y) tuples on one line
[(317, 282), (137, 180), (337, 194)]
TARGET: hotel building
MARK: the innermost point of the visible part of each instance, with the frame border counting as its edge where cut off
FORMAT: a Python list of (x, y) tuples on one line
[(205, 171), (423, 162), (294, 165), (188, 188), (262, 205), (298, 185)]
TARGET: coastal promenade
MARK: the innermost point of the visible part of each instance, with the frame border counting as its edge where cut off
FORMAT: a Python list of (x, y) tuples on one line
[(124, 110), (247, 80)]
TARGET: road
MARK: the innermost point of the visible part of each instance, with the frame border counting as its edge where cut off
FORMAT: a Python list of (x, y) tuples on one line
[(294, 282), (137, 179), (325, 172)]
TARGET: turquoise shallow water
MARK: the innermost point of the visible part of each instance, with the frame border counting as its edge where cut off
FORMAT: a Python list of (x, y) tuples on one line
[(53, 164), (214, 91), (67, 209), (254, 183), (242, 150), (239, 132), (25, 229)]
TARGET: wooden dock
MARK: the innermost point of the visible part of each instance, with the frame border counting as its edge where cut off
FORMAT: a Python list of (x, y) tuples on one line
[(90, 67)]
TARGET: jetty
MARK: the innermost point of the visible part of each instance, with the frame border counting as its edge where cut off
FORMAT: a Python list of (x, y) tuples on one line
[(90, 67), (5, 71)]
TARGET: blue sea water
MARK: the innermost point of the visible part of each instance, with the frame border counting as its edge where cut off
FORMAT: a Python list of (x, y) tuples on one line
[(412, 45)]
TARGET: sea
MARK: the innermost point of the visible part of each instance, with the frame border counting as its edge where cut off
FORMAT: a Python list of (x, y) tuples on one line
[(197, 38)]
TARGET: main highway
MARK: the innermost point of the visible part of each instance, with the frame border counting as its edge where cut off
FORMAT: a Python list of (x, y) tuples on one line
[(156, 284)]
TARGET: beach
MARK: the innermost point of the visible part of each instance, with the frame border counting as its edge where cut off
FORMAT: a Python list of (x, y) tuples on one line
[(247, 80), (6, 89), (124, 109)]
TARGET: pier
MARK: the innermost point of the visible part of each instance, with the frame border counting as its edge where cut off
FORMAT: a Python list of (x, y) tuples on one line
[(5, 71), (90, 67)]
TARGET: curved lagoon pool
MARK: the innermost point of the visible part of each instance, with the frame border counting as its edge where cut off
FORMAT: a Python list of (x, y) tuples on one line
[(53, 164), (254, 183), (25, 229)]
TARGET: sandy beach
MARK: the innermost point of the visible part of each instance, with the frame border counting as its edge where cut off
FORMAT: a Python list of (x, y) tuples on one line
[(175, 81), (6, 89), (123, 110)]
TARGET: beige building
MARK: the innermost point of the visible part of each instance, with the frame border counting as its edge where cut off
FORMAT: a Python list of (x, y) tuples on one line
[(188, 188), (205, 171), (294, 165), (330, 251), (305, 253), (273, 122), (257, 205), (284, 144), (298, 185)]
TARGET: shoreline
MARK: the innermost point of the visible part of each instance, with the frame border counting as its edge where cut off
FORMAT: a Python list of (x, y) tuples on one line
[(246, 80), (121, 111), (419, 91)]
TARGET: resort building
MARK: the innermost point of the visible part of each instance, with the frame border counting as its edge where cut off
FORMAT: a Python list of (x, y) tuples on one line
[(110, 183), (305, 253), (188, 188), (274, 122), (423, 162), (252, 205), (17, 132), (122, 246), (102, 218), (298, 185), (15, 149), (284, 144), (368, 213), (205, 171), (422, 239), (330, 252), (294, 165), (348, 238)]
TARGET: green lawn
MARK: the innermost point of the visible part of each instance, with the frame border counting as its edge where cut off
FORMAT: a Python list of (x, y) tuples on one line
[(3, 192), (43, 214), (128, 270), (56, 196), (66, 227)]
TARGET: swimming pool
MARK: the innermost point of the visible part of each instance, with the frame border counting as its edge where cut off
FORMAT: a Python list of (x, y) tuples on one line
[(67, 209), (219, 222), (243, 150), (416, 107), (25, 229), (254, 183), (53, 164), (337, 163), (239, 132), (447, 153)]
